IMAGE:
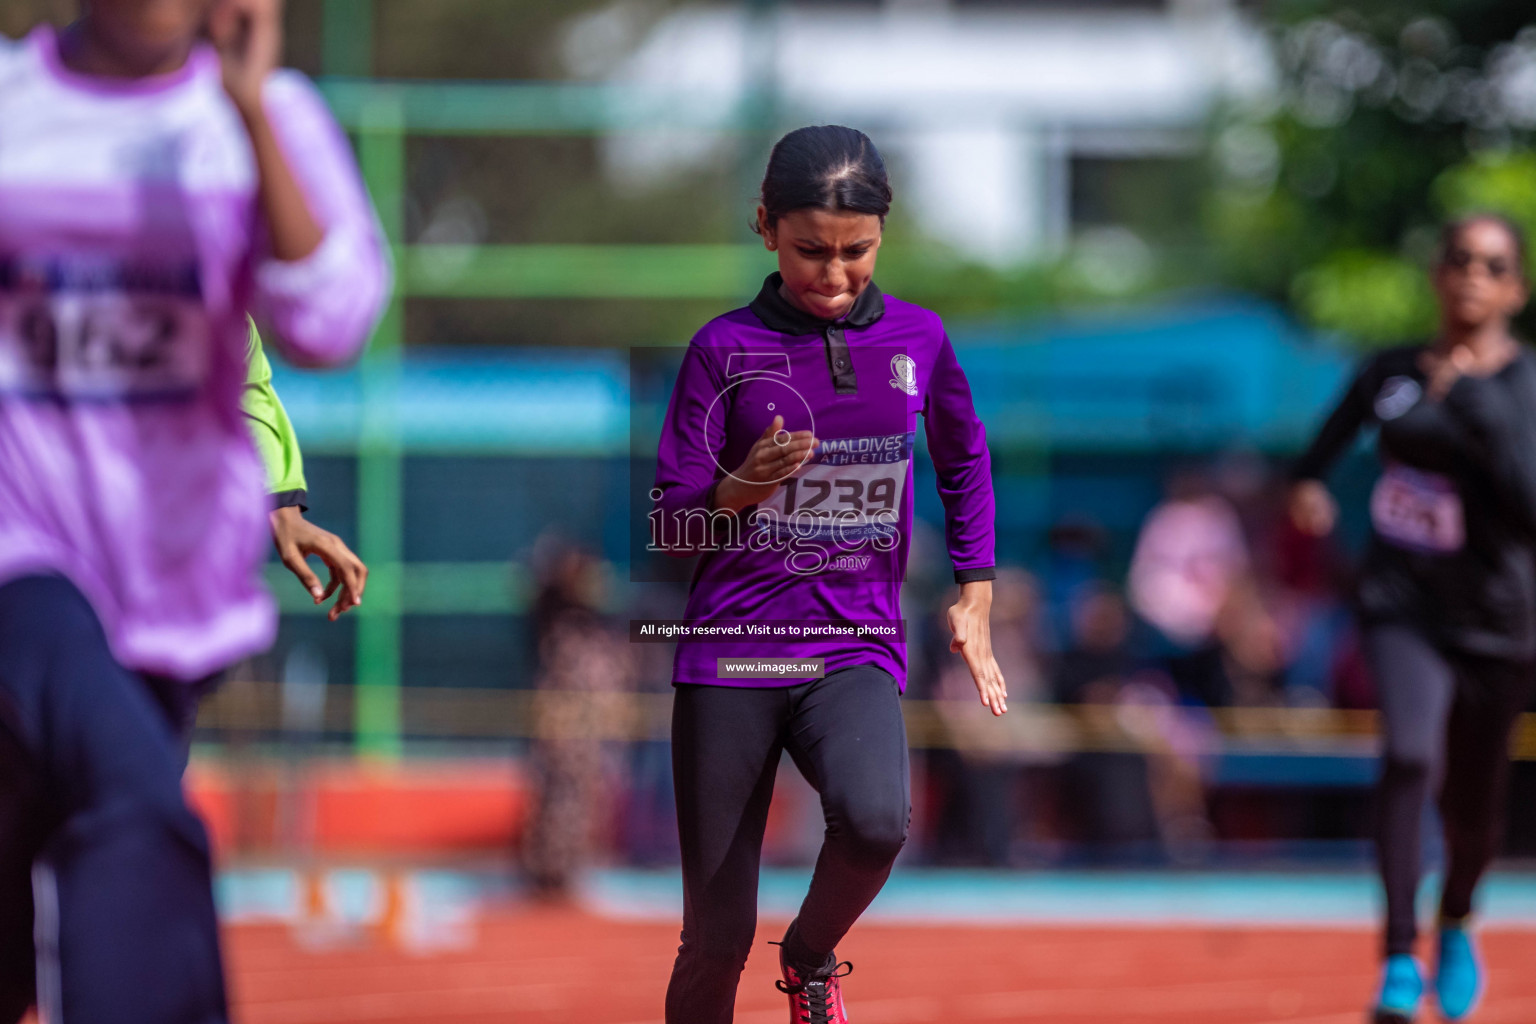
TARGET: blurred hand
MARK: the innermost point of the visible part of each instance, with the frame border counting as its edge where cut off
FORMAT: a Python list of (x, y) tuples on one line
[(249, 37), (1444, 370), (1312, 508), (970, 622), (296, 538), (767, 465)]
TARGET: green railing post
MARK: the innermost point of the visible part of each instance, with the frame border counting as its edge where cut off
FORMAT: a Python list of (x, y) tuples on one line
[(377, 706)]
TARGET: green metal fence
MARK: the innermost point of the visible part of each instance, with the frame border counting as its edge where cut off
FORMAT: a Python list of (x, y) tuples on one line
[(381, 115)]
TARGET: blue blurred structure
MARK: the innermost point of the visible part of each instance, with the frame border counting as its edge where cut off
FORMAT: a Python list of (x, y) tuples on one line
[(1195, 376), (1199, 376), (547, 403)]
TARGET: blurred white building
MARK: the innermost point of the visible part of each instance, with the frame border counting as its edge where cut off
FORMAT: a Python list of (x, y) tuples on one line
[(994, 114)]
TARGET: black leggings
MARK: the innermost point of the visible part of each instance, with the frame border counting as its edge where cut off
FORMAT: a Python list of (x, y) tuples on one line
[(1446, 719), (846, 735)]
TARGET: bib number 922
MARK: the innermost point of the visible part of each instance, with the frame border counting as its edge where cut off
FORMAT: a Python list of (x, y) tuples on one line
[(101, 346)]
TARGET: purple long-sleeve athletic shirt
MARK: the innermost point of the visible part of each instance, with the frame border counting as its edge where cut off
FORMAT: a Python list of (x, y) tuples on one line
[(131, 247), (830, 546)]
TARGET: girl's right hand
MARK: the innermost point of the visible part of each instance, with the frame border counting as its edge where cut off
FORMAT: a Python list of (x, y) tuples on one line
[(774, 457), (1312, 508)]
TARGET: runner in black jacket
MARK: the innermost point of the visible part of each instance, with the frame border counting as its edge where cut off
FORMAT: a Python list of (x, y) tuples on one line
[(1447, 592)]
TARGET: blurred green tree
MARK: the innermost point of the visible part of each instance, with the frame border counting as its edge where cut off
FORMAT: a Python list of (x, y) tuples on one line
[(559, 189), (1391, 115)]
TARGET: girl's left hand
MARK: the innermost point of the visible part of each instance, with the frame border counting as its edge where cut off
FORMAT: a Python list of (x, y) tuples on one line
[(249, 37), (969, 621)]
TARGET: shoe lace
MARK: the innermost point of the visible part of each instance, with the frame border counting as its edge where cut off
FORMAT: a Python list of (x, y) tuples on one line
[(818, 993)]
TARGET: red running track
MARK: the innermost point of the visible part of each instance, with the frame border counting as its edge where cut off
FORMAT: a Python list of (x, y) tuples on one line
[(563, 966)]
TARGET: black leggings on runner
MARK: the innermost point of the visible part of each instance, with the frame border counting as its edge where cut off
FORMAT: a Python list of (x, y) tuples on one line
[(846, 735), (1446, 718)]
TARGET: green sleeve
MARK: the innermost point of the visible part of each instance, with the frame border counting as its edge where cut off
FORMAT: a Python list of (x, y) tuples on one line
[(270, 428)]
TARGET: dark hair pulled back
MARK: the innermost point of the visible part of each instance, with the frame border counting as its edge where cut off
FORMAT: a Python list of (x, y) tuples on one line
[(825, 167)]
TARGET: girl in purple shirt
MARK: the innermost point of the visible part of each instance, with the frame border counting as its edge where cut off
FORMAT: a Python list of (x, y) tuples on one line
[(786, 464)]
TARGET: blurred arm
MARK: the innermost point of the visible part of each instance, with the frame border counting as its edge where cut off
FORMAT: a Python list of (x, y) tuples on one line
[(957, 442), (686, 471), (271, 430), (1340, 428), (318, 293), (1498, 414), (294, 537)]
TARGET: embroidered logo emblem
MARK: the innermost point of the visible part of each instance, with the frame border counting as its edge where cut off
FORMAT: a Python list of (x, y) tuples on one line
[(1397, 396), (904, 374)]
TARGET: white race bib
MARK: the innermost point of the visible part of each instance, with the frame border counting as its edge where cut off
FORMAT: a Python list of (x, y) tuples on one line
[(850, 492), (101, 332), (1417, 510)]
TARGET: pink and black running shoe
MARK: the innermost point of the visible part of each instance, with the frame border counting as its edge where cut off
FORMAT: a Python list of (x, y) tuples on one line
[(818, 997)]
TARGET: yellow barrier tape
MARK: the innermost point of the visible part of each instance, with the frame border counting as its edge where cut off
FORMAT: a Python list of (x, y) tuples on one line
[(1030, 730)]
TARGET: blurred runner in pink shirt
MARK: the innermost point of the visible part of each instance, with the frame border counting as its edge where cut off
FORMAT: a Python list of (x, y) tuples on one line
[(153, 188)]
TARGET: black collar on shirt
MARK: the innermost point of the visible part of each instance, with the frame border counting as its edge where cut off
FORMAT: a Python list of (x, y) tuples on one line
[(777, 314), (774, 310)]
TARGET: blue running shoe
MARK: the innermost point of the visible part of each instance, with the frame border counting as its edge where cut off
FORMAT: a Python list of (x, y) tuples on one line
[(1401, 988), (1458, 974)]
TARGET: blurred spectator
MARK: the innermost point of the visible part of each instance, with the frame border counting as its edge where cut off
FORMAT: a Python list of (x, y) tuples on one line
[(585, 670), (1138, 785), (1310, 579), (978, 785), (1252, 647), (571, 583), (1189, 558), (1106, 796), (648, 826), (1077, 547), (1097, 657)]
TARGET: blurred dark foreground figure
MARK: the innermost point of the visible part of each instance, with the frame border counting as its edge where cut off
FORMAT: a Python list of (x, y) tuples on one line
[(581, 704), (1447, 593)]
